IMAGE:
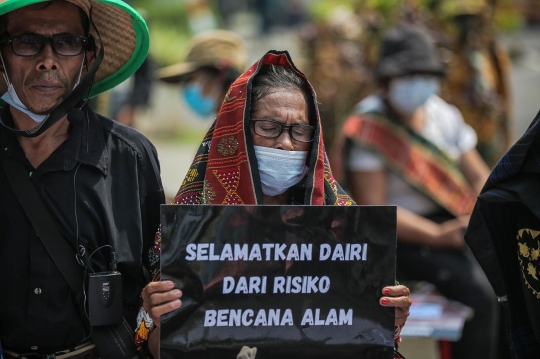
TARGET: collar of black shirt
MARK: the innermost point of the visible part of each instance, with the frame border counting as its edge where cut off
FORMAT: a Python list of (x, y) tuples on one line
[(86, 144)]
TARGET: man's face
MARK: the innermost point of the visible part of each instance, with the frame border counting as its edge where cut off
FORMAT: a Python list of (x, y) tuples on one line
[(44, 80)]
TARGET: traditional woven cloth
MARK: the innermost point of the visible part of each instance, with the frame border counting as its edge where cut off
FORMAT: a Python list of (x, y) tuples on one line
[(412, 157), (225, 170)]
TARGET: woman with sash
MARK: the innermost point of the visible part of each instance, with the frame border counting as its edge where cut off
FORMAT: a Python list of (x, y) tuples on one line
[(264, 148), (406, 146)]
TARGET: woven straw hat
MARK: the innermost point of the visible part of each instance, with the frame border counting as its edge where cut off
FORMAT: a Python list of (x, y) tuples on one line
[(124, 36), (218, 48)]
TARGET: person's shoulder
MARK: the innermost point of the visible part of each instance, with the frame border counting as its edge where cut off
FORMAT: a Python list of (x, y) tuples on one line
[(129, 136), (436, 102), (126, 143), (442, 110)]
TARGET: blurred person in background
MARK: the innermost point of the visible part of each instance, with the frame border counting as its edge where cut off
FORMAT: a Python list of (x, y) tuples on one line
[(478, 75), (215, 59), (406, 146)]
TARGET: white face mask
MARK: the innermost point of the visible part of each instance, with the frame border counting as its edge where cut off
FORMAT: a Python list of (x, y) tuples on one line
[(279, 169), (12, 99), (406, 94)]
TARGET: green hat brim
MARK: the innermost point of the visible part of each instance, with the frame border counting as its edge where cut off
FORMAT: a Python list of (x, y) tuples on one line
[(140, 51)]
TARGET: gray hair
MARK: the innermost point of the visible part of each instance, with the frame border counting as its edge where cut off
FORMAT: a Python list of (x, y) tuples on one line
[(271, 77)]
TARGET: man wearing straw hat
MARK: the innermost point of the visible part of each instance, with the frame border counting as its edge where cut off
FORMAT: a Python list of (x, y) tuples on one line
[(96, 180)]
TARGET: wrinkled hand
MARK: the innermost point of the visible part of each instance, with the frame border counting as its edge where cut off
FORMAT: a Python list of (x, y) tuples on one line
[(160, 298), (397, 296)]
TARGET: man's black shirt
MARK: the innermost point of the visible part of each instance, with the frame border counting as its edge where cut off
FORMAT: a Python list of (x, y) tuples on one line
[(102, 187)]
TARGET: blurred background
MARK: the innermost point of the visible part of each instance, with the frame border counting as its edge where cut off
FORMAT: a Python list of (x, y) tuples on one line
[(335, 43)]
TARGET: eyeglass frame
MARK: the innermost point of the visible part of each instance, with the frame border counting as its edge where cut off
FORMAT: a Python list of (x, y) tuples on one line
[(86, 40), (282, 127)]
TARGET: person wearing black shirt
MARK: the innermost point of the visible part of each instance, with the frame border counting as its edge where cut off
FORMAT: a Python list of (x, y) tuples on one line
[(99, 180)]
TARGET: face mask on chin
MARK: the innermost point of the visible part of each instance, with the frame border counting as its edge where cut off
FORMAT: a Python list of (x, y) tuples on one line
[(406, 94), (12, 99), (279, 170)]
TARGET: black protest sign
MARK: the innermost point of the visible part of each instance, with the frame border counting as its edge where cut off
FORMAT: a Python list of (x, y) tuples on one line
[(292, 281)]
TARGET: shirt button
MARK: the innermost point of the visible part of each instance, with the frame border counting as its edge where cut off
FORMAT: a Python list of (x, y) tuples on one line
[(34, 347), (30, 174), (37, 291)]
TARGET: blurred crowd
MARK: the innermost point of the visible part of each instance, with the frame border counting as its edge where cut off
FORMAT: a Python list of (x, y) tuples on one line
[(343, 52), (339, 52)]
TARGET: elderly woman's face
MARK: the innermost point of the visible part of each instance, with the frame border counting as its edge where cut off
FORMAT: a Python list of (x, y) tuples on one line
[(287, 107)]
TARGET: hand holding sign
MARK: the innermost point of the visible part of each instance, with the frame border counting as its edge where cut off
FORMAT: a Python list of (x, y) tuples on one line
[(398, 297), (160, 298)]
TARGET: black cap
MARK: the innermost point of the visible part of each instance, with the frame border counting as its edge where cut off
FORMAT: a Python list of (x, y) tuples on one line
[(406, 50)]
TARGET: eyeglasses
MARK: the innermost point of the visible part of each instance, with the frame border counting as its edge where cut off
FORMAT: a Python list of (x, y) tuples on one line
[(273, 129), (32, 44)]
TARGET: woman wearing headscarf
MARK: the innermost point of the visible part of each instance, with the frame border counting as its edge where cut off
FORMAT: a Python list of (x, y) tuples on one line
[(265, 147)]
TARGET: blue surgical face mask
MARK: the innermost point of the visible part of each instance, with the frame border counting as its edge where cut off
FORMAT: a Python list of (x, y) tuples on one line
[(279, 169), (406, 94), (201, 105)]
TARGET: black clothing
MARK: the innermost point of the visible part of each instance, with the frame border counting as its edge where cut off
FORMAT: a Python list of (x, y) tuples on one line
[(102, 187), (503, 235), (457, 276)]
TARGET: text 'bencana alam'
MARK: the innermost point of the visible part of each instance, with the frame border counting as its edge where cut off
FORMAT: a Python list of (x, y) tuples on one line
[(277, 284)]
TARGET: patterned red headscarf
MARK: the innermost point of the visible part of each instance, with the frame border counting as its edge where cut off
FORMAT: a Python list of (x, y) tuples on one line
[(225, 169)]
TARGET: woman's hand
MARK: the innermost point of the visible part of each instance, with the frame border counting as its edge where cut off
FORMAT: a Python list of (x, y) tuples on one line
[(397, 296), (160, 298)]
